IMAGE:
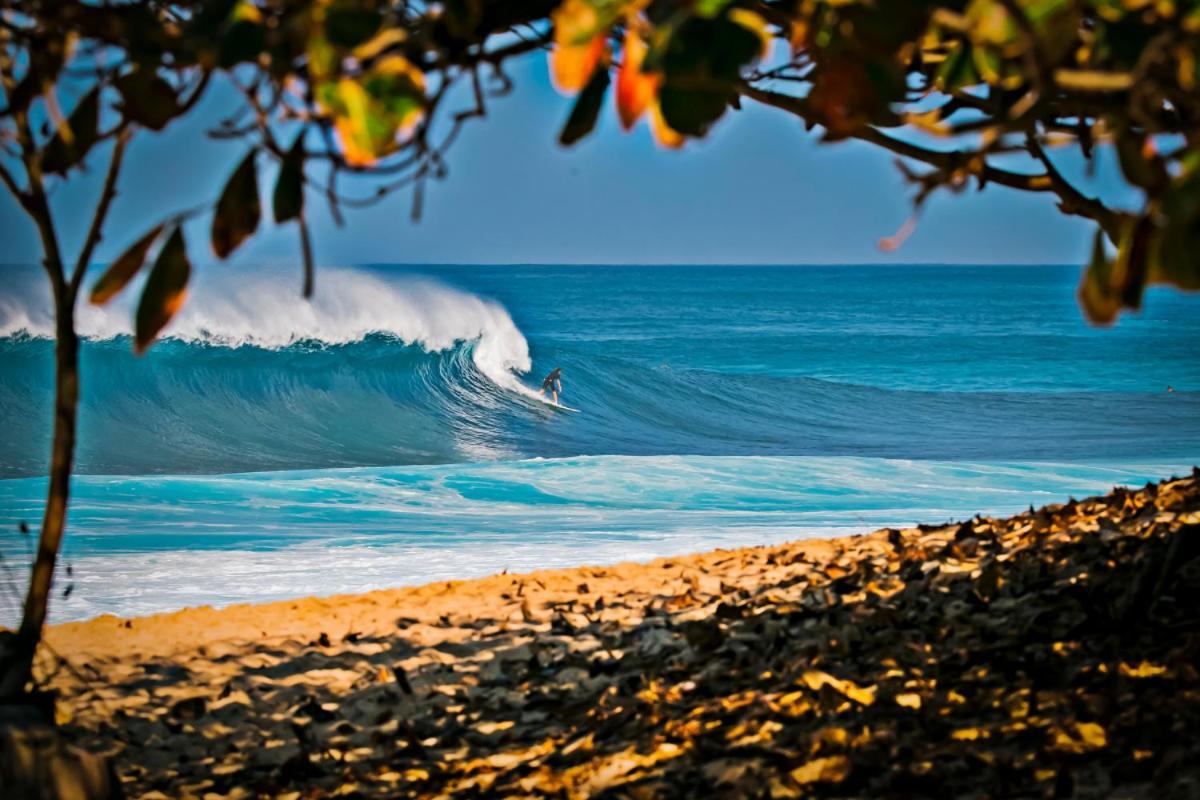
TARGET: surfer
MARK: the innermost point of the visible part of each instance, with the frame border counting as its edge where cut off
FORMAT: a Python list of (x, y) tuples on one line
[(553, 384)]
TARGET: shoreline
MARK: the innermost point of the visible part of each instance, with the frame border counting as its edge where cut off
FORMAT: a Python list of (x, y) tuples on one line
[(390, 528), (109, 635), (1048, 652)]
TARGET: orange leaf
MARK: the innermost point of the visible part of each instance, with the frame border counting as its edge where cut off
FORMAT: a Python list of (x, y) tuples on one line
[(572, 65), (635, 89), (579, 43), (663, 133), (164, 292)]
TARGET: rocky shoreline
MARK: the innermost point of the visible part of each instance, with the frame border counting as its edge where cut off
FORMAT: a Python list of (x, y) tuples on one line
[(1050, 654)]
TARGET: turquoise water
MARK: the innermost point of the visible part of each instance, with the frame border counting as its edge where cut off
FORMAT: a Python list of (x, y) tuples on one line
[(386, 434)]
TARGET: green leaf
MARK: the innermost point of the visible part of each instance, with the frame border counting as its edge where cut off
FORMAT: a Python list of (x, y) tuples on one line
[(701, 69), (958, 70), (1140, 169), (242, 41), (371, 110), (1096, 294), (58, 156), (1133, 258), (121, 271), (349, 24), (288, 200), (463, 17), (164, 293), (238, 210), (147, 99), (710, 8), (209, 17), (587, 107), (1176, 257)]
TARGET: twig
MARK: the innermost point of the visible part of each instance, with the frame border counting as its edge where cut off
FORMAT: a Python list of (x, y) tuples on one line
[(106, 197)]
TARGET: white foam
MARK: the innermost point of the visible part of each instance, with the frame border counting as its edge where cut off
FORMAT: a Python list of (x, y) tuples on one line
[(262, 308)]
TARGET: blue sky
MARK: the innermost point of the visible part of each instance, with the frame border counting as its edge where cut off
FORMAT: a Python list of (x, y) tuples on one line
[(760, 190)]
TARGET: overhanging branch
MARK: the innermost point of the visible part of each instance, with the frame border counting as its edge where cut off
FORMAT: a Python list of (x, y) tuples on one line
[(954, 161)]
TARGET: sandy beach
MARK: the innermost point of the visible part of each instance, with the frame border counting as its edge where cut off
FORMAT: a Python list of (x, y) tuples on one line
[(1050, 653)]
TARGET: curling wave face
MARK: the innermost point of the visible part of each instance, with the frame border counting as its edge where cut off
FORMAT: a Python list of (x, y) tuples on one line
[(386, 367)]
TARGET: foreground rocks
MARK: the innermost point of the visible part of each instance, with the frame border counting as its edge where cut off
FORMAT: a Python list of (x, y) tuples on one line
[(1051, 654)]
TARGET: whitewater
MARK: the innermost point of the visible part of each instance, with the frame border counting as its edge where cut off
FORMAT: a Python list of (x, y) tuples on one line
[(385, 433)]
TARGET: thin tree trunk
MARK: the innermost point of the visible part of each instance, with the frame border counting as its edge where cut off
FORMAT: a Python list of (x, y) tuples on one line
[(17, 668)]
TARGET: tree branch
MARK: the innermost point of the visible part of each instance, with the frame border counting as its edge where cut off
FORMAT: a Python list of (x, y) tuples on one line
[(11, 184), (1074, 201), (949, 161), (98, 217)]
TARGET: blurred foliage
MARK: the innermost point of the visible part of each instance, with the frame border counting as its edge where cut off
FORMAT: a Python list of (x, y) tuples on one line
[(966, 93)]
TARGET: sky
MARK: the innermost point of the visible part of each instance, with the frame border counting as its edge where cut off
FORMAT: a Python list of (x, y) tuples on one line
[(759, 190)]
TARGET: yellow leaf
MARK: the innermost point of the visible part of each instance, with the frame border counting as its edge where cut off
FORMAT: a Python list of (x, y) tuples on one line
[(1082, 737), (815, 679), (386, 38), (832, 769), (1143, 670), (969, 734), (1092, 734), (635, 89), (663, 133), (909, 700)]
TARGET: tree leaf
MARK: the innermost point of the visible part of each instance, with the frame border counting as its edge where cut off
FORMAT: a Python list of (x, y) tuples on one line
[(370, 111), (147, 99), (463, 17), (1096, 294), (288, 199), (244, 38), (580, 41), (701, 69), (664, 134), (121, 271), (349, 24), (571, 65), (1176, 255), (58, 156), (164, 293), (635, 89), (238, 210), (1139, 163), (587, 107)]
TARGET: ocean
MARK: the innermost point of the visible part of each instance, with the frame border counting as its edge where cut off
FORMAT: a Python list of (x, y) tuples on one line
[(388, 432)]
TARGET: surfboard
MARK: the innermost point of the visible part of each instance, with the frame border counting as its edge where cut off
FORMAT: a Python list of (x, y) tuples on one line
[(546, 401)]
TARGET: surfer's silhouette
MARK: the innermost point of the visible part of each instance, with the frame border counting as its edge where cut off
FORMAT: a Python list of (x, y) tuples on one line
[(553, 384)]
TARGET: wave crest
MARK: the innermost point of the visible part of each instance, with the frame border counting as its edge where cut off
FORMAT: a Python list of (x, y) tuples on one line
[(260, 309)]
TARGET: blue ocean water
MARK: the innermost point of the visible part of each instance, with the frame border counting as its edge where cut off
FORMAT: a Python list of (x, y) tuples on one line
[(387, 432)]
